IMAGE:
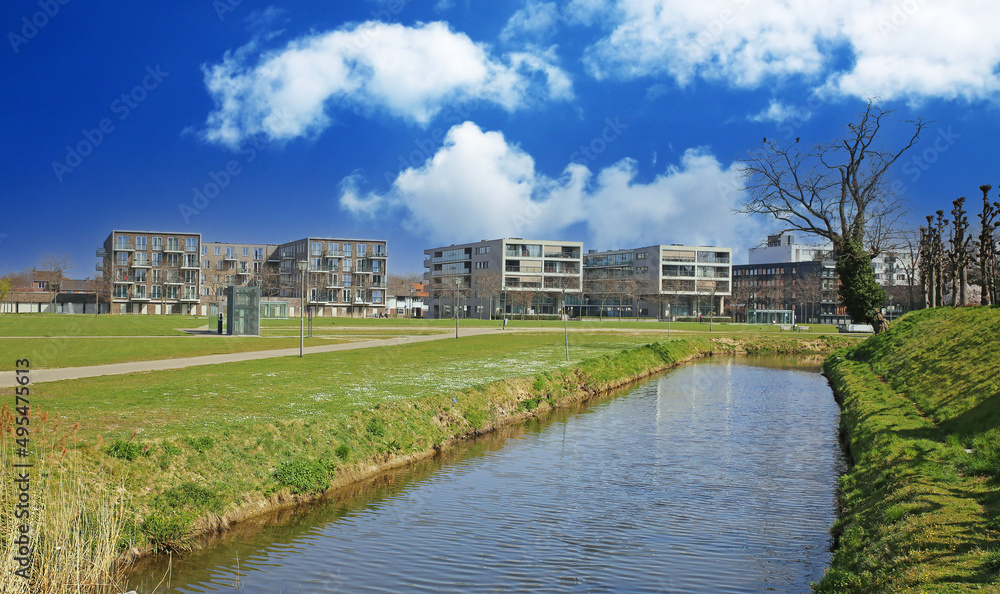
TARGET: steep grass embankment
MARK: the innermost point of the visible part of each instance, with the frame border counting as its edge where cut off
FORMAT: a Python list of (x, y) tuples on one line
[(921, 419)]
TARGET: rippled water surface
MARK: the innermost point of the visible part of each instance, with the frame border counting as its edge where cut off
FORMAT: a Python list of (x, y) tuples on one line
[(719, 476)]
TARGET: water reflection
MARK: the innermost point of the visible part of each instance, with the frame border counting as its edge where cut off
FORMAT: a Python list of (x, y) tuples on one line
[(717, 477)]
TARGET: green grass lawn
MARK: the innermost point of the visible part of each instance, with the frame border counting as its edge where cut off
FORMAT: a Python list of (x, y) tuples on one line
[(226, 397), (53, 353), (921, 412), (104, 325)]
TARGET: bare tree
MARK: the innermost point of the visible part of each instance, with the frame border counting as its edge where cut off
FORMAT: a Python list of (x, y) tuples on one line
[(809, 292), (960, 255), (269, 279), (986, 248), (836, 191), (102, 286), (601, 287), (55, 267), (490, 284)]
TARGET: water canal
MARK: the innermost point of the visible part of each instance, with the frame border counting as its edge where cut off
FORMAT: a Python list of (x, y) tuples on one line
[(719, 476)]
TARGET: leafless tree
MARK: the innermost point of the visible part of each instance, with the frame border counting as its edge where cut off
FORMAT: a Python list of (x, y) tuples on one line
[(836, 191), (959, 255), (269, 279), (600, 286), (102, 286), (986, 247), (489, 284), (809, 292), (55, 267)]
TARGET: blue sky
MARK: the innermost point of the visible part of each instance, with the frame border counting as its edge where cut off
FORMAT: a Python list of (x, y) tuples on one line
[(612, 122)]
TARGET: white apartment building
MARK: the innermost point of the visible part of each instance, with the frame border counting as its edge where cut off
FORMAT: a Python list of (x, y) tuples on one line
[(508, 276)]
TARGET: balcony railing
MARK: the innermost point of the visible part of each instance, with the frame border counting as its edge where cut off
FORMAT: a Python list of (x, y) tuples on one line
[(524, 269), (379, 255), (458, 258), (564, 255), (125, 246), (712, 258), (99, 268), (101, 252)]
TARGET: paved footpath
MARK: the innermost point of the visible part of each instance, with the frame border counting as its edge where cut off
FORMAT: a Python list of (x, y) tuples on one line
[(7, 378)]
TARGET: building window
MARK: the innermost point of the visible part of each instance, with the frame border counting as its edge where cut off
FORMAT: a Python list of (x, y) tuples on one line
[(121, 291), (157, 275), (347, 265), (140, 275), (191, 244), (208, 264), (140, 242), (173, 244), (121, 258), (347, 280), (140, 291), (362, 250), (158, 243), (156, 292), (258, 254), (482, 265), (157, 258), (640, 256), (204, 250), (347, 250), (483, 250), (171, 291), (246, 252), (122, 242)]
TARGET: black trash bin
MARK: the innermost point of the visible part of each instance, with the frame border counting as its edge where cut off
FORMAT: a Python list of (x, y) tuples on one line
[(220, 323)]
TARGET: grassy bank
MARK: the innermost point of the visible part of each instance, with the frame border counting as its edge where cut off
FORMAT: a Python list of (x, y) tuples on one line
[(198, 449), (921, 418)]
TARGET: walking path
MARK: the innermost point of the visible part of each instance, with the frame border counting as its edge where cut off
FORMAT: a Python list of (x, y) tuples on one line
[(7, 378)]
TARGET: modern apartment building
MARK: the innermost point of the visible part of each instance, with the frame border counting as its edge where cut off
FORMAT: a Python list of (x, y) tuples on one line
[(785, 274), (659, 280), (164, 273), (340, 277), (225, 264), (508, 276), (149, 272)]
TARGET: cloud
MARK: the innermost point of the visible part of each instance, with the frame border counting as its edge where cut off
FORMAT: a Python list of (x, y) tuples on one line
[(779, 113), (478, 185), (909, 49), (407, 72), (536, 20)]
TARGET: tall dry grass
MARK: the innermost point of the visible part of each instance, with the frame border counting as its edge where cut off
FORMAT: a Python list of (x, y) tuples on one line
[(77, 515)]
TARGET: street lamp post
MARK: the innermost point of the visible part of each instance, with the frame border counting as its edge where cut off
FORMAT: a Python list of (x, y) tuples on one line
[(302, 317), (565, 322), (668, 321), (458, 281)]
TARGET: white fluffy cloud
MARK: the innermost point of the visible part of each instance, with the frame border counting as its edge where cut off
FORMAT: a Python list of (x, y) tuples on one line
[(779, 112), (535, 20), (891, 49), (479, 186), (409, 72)]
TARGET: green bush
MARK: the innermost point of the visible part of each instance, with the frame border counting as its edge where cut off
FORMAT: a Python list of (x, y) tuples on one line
[(302, 476), (342, 452), (187, 495), (375, 428), (201, 444), (168, 530), (124, 450)]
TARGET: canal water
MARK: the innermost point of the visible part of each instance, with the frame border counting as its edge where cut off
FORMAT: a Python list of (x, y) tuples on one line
[(719, 476)]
